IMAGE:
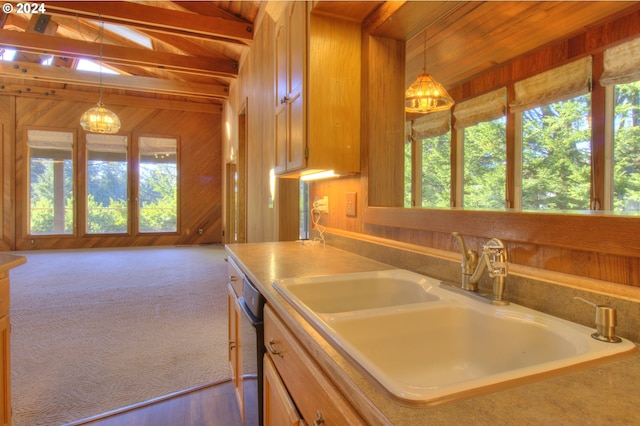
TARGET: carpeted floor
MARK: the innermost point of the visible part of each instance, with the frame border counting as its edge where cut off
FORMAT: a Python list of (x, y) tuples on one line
[(96, 330)]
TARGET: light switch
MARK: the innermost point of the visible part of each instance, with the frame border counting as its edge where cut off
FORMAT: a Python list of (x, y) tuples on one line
[(350, 204)]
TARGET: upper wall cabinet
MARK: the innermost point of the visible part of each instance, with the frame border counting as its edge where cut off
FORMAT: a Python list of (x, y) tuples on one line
[(318, 76)]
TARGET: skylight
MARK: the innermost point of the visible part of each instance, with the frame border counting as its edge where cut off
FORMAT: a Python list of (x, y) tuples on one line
[(7, 54), (130, 34), (87, 65)]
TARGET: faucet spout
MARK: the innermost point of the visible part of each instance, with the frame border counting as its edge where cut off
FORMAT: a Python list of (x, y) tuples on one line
[(469, 264), (493, 259)]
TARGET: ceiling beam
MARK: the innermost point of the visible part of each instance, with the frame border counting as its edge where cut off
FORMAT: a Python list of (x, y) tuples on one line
[(41, 44), (28, 91), (31, 71), (157, 19), (381, 15)]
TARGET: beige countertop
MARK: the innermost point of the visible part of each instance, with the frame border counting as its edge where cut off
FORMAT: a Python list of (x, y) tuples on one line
[(605, 394), (10, 261)]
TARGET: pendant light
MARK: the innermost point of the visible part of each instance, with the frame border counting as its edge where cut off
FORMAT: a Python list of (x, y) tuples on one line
[(100, 119), (426, 95)]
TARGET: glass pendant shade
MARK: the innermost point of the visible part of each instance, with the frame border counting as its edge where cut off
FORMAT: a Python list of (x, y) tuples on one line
[(100, 120), (427, 95)]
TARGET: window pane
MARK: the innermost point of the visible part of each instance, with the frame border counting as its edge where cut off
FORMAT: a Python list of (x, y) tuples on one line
[(626, 156), (305, 212), (556, 156), (158, 185), (435, 179), (408, 176), (485, 154), (50, 182), (107, 174)]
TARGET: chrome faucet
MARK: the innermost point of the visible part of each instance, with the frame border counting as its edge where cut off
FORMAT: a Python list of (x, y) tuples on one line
[(493, 259)]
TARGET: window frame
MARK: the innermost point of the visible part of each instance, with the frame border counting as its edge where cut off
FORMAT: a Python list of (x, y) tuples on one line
[(135, 183), (85, 210), (27, 185), (519, 165)]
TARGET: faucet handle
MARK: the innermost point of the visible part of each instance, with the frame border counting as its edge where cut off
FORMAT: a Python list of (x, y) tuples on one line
[(606, 322), (496, 255)]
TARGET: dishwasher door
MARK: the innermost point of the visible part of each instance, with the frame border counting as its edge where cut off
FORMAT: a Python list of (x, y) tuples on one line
[(252, 351)]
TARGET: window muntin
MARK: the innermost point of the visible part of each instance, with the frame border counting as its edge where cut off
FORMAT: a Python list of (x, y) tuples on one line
[(556, 156), (107, 184), (626, 148), (51, 188), (485, 165), (158, 184)]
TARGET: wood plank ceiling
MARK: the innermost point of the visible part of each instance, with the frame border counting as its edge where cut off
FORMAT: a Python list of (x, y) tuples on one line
[(197, 46), (194, 55)]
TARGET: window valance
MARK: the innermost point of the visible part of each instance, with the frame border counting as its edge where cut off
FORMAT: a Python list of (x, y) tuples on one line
[(430, 125), (485, 107), (155, 145), (621, 63), (49, 139), (107, 143), (557, 84)]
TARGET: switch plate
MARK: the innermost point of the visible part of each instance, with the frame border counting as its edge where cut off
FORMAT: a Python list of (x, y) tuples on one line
[(350, 204)]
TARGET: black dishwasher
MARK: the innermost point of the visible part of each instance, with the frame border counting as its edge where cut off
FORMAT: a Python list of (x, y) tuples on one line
[(253, 350)]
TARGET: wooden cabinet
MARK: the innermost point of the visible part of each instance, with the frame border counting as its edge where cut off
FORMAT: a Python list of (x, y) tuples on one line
[(315, 396), (289, 120), (7, 262), (317, 92), (5, 366), (234, 354), (279, 409), (234, 340)]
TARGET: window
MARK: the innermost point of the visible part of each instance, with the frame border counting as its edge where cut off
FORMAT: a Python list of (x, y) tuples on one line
[(626, 147), (554, 109), (556, 155), (621, 77), (428, 161), (485, 165), (107, 183), (482, 122), (158, 185), (305, 210), (435, 166), (51, 189)]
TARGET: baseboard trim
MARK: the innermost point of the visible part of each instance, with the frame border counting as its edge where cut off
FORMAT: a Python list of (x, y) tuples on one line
[(142, 404)]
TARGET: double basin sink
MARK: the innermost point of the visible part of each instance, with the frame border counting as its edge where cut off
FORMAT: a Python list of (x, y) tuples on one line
[(425, 344)]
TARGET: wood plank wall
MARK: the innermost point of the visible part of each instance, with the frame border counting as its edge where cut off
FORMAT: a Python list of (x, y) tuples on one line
[(611, 266), (200, 167), (253, 92)]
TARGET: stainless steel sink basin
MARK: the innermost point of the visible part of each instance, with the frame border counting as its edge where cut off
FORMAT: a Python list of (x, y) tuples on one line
[(425, 345)]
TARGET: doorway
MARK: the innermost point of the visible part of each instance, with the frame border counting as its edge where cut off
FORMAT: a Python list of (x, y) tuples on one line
[(236, 190)]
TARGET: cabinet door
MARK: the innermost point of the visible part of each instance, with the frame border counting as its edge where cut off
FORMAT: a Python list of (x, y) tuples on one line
[(5, 371), (315, 396), (234, 342), (279, 409), (281, 95), (296, 158), (290, 47)]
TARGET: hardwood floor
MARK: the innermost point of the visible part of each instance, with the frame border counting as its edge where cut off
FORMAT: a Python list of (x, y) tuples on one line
[(211, 405)]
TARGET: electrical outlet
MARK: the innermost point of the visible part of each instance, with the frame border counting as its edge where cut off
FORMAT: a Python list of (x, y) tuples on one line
[(350, 204), (322, 204)]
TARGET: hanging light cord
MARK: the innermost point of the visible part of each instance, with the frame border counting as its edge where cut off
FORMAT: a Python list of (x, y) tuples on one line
[(101, 35), (424, 53)]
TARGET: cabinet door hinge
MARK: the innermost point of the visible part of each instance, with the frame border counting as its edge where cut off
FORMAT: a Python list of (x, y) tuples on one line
[(306, 152)]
